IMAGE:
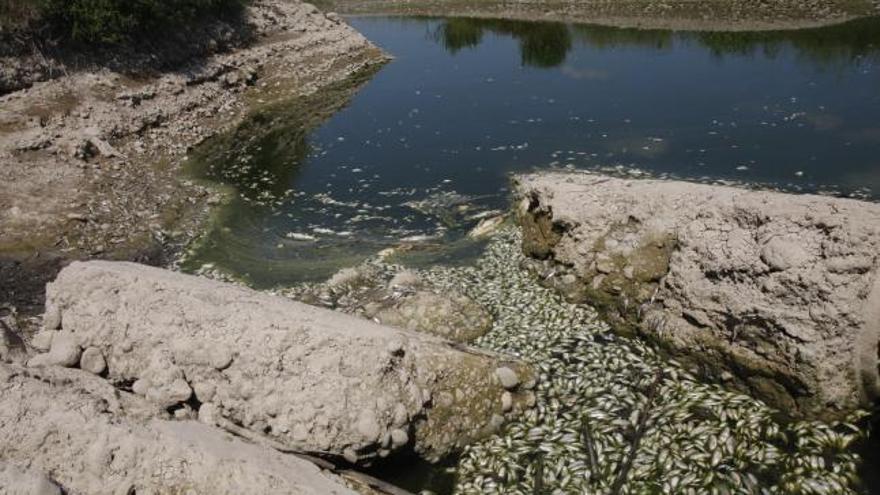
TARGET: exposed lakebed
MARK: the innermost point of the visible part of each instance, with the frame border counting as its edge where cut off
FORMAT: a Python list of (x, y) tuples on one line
[(424, 148)]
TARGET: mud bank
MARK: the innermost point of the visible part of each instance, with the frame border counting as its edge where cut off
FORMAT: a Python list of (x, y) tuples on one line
[(90, 154), (691, 15), (776, 293)]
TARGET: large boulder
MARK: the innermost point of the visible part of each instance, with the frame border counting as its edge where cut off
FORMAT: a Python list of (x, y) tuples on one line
[(777, 293), (68, 428), (308, 378)]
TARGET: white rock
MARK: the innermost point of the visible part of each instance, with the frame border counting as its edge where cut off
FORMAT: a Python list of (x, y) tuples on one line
[(42, 341), (52, 318), (506, 402), (293, 364), (399, 438), (781, 289), (65, 350), (92, 361), (508, 378)]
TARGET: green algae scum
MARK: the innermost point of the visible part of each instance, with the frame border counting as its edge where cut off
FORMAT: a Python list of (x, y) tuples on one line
[(417, 155)]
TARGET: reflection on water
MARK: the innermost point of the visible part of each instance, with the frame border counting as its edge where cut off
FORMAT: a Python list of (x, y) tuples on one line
[(541, 44), (423, 150), (546, 44)]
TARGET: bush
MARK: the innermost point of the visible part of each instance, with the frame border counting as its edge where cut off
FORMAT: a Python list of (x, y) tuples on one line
[(115, 21), (17, 13)]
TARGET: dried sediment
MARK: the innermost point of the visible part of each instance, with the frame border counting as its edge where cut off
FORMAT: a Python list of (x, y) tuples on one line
[(68, 429), (308, 378), (778, 293)]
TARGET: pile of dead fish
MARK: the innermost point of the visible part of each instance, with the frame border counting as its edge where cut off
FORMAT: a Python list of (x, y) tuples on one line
[(612, 416)]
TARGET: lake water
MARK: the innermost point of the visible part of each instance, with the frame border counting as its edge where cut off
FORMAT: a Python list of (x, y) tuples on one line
[(424, 149)]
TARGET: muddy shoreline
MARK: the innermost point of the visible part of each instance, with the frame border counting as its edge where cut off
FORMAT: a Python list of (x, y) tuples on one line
[(91, 159)]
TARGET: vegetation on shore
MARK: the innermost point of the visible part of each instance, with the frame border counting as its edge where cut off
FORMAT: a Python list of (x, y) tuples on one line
[(109, 21)]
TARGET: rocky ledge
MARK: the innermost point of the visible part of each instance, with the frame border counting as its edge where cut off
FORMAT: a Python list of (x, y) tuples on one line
[(305, 378), (64, 428), (775, 293)]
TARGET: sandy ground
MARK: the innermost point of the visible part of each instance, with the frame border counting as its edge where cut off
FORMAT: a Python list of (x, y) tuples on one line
[(710, 15), (90, 158)]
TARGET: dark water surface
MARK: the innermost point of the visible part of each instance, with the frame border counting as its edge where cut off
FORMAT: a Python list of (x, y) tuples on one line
[(425, 148)]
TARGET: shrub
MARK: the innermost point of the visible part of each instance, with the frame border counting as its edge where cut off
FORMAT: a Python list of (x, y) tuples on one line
[(17, 13), (115, 21)]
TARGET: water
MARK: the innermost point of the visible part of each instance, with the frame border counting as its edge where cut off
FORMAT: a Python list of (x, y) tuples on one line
[(424, 148)]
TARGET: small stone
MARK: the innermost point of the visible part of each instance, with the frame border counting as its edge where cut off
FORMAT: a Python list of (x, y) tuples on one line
[(400, 415), (445, 399), (221, 359), (506, 402), (204, 391), (300, 432), (52, 317), (368, 426), (92, 360), (171, 394), (399, 438), (183, 413), (350, 455), (395, 348), (179, 391), (65, 350), (42, 341), (140, 387), (507, 377), (496, 422), (208, 414), (531, 400), (38, 360), (781, 254), (604, 266)]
